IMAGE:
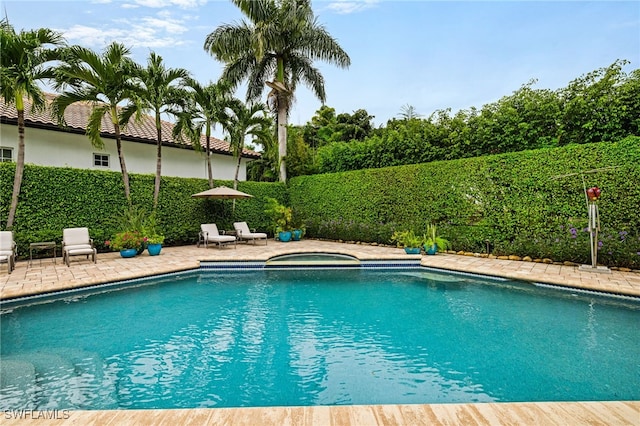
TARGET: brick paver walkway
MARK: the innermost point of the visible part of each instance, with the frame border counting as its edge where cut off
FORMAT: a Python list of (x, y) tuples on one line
[(45, 276)]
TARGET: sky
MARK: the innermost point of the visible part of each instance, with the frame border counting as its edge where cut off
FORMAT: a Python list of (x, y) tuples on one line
[(431, 55)]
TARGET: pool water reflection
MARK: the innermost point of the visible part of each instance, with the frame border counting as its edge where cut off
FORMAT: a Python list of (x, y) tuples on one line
[(318, 337)]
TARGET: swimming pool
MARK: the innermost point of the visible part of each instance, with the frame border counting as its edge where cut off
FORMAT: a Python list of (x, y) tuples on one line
[(310, 337)]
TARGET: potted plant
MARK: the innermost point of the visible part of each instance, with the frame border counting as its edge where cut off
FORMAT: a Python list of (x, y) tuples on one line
[(433, 242), (409, 240), (132, 220), (298, 229), (127, 243), (154, 244), (281, 216), (153, 239)]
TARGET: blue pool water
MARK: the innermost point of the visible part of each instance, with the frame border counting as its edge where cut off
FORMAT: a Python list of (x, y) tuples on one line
[(267, 338)]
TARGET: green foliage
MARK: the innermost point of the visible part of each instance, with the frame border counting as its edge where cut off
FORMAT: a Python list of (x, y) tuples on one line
[(27, 60), (407, 239), (126, 240), (136, 220), (280, 215), (299, 154), (132, 218), (325, 127), (56, 198), (603, 105), (599, 106), (527, 203), (431, 238), (512, 203)]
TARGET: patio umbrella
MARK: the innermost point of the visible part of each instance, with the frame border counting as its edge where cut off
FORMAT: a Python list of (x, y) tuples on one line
[(222, 193)]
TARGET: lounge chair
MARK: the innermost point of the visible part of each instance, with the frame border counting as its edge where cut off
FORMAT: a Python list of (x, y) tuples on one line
[(75, 242), (209, 234), (8, 251), (244, 234)]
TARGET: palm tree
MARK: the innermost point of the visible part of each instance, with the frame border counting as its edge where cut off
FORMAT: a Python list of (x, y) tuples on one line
[(245, 120), (24, 58), (159, 94), (104, 81), (265, 169), (408, 112), (205, 108), (280, 41)]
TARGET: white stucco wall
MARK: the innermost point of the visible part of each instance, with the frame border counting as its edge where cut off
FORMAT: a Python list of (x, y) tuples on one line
[(62, 149)]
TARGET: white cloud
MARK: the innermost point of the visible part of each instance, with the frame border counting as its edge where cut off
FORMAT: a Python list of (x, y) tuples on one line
[(171, 26), (185, 4), (148, 32), (344, 7), (87, 36)]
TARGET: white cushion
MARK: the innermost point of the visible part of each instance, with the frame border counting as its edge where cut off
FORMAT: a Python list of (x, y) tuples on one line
[(75, 236), (254, 235), (78, 247), (6, 240), (76, 251), (242, 228), (221, 239), (243, 231), (6, 253), (210, 228)]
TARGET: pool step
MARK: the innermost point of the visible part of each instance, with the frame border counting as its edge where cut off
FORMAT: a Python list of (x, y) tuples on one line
[(58, 379), (231, 265)]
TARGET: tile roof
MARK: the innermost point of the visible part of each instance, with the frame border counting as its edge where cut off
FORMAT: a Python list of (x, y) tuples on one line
[(77, 115)]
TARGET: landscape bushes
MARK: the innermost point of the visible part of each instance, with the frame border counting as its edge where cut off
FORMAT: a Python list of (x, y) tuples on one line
[(603, 105), (55, 198), (526, 203)]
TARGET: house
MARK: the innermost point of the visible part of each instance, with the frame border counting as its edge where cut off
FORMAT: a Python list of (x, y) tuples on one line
[(48, 144)]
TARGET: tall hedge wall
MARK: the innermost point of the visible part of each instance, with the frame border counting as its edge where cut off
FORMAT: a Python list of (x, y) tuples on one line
[(519, 203), (526, 203), (55, 198)]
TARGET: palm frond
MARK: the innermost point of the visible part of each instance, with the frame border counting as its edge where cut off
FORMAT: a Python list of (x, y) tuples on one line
[(94, 125)]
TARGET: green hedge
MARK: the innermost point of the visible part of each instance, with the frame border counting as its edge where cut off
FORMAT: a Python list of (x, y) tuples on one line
[(511, 203), (52, 199)]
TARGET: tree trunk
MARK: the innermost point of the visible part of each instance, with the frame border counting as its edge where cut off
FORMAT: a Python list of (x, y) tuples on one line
[(123, 167), (17, 180), (156, 189), (209, 171), (235, 180), (282, 140)]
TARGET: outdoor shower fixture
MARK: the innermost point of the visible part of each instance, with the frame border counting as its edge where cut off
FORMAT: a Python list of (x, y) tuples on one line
[(593, 194)]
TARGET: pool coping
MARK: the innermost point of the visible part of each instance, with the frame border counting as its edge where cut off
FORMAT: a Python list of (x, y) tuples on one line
[(613, 413)]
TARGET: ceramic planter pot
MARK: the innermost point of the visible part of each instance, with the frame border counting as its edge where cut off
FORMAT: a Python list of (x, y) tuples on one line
[(284, 236), (412, 250), (154, 249), (128, 252)]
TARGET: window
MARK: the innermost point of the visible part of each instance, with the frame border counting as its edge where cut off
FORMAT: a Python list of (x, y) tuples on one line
[(101, 160), (6, 155)]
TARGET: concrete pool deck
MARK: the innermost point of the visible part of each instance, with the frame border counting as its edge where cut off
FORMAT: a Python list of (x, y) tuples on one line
[(44, 276)]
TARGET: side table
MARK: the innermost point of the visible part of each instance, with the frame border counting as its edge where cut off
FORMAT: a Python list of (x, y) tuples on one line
[(46, 245)]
